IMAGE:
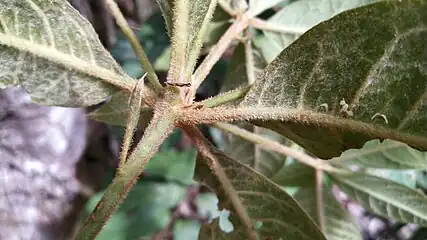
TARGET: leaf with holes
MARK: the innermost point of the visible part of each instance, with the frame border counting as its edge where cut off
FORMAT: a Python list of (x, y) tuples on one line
[(265, 202), (385, 198), (190, 22), (361, 75), (299, 16), (387, 154), (53, 52)]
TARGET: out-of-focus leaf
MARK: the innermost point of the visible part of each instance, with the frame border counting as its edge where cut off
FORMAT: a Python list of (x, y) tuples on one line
[(366, 67), (407, 178), (294, 175), (387, 154), (302, 15), (146, 210), (339, 224), (216, 27), (258, 6), (264, 201), (54, 53), (385, 198), (175, 166), (115, 111)]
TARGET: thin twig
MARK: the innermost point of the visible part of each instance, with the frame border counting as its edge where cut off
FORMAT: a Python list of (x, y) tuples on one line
[(275, 146), (204, 149), (319, 199), (273, 27), (225, 97), (226, 7), (124, 26), (206, 66)]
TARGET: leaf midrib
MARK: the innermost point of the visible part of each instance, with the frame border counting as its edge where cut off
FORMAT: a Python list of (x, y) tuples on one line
[(53, 55)]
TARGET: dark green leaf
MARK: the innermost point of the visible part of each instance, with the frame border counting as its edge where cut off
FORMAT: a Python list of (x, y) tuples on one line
[(387, 154), (385, 198), (371, 59), (265, 201), (298, 17)]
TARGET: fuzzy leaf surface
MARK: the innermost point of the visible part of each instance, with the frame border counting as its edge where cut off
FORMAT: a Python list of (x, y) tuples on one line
[(279, 213), (258, 6), (387, 154), (54, 53), (385, 198), (187, 23), (372, 58), (302, 15)]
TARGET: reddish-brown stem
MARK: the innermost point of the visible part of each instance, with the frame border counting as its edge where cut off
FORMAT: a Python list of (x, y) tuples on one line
[(206, 66), (204, 149)]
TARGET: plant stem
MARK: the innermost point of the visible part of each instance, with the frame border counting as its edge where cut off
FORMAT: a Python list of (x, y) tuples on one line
[(127, 175), (206, 66), (225, 97), (275, 146), (143, 59), (224, 5), (273, 27), (205, 150), (319, 199)]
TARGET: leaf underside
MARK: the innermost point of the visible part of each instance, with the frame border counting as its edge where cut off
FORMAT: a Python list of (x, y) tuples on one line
[(373, 58), (385, 198), (54, 53), (387, 154), (280, 215)]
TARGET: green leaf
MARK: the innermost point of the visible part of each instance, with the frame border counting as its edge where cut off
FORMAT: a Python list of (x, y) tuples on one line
[(175, 166), (385, 198), (339, 224), (146, 210), (114, 111), (258, 6), (387, 154), (54, 53), (265, 201), (302, 15), (294, 175), (217, 26), (188, 23), (372, 59), (407, 178)]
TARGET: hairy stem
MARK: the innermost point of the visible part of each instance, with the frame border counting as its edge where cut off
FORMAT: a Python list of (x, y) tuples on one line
[(272, 27), (128, 173), (225, 97), (204, 149), (319, 199), (268, 144), (206, 66), (122, 23), (297, 116)]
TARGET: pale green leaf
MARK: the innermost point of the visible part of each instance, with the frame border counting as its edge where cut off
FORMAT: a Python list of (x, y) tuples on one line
[(187, 23), (114, 112), (298, 17), (294, 175), (258, 6), (264, 201), (339, 224), (54, 53), (404, 177), (387, 154), (372, 59), (385, 198)]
